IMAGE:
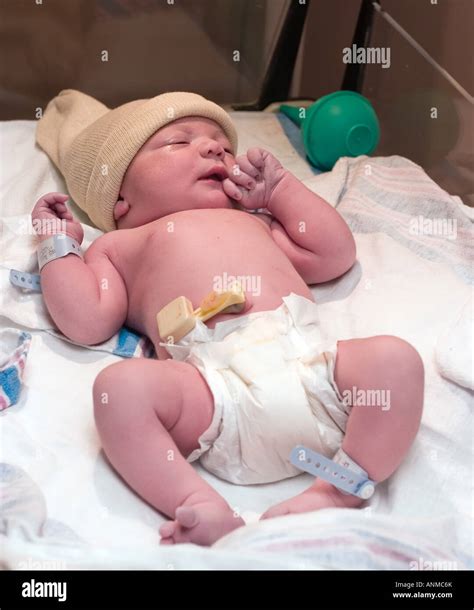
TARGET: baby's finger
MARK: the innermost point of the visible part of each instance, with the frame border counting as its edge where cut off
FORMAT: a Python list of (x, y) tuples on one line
[(241, 178), (52, 198), (242, 195), (65, 216), (258, 157), (245, 166), (231, 189)]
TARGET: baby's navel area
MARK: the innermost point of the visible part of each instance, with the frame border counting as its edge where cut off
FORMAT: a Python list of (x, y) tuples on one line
[(194, 252)]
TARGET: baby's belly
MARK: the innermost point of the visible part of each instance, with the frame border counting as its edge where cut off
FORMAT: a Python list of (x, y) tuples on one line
[(194, 264), (258, 297)]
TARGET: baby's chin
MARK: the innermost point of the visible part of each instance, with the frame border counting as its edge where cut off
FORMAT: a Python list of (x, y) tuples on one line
[(214, 201)]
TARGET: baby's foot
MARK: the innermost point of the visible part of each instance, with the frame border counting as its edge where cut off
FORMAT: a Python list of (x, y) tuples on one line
[(202, 522), (319, 495)]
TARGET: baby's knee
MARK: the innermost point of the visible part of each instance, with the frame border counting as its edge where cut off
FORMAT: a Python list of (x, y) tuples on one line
[(115, 396), (404, 372), (109, 380), (400, 356)]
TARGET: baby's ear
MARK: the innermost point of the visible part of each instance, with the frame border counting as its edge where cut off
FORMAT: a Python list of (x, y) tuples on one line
[(121, 208)]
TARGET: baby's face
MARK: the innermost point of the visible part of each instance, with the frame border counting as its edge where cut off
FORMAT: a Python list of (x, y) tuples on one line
[(166, 175)]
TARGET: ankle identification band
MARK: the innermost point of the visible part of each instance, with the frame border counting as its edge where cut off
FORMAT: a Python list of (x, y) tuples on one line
[(352, 479), (57, 246), (178, 318), (31, 282)]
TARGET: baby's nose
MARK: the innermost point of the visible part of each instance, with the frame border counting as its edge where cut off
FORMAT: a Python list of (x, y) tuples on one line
[(212, 148)]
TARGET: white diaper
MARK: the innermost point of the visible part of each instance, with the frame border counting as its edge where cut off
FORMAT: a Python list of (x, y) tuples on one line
[(273, 385)]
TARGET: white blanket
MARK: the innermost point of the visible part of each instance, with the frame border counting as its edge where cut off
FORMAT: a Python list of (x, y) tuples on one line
[(79, 512), (454, 363)]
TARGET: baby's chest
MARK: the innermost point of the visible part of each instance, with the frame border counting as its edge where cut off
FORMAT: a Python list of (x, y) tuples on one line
[(212, 243)]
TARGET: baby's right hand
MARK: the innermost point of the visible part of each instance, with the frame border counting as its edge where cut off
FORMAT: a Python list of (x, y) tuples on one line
[(51, 216)]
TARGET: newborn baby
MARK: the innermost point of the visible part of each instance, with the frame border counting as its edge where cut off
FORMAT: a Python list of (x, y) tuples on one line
[(242, 389)]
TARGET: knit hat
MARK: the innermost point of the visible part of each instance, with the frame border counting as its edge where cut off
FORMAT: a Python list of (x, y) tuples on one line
[(92, 145)]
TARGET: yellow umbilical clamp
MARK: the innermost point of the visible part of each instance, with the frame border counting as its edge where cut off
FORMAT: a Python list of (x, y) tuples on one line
[(178, 318)]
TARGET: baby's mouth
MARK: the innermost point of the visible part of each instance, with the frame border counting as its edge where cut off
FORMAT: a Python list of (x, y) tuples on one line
[(213, 180), (218, 173), (213, 177)]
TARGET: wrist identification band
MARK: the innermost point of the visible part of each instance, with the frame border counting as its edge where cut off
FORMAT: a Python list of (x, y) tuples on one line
[(30, 282), (57, 246), (352, 480)]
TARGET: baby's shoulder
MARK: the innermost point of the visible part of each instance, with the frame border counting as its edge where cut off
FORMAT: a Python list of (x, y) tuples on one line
[(104, 241), (108, 244)]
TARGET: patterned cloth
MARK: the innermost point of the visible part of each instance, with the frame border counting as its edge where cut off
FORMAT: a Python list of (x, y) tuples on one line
[(12, 364)]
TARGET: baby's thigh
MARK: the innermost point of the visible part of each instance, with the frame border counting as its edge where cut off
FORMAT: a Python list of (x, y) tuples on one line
[(132, 394), (379, 361)]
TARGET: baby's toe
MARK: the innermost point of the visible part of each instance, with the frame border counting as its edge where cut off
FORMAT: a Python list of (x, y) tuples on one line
[(167, 531), (187, 516), (165, 541)]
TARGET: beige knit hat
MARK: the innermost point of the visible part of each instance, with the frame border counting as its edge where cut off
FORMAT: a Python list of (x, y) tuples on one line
[(92, 145)]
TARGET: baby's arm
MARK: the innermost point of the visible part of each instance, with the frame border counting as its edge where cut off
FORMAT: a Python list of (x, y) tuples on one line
[(311, 232), (87, 299)]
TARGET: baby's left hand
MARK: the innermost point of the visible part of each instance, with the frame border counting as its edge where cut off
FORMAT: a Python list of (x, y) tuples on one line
[(253, 178)]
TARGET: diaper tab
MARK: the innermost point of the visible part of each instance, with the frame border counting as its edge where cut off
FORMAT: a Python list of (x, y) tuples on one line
[(303, 311), (181, 349), (304, 316)]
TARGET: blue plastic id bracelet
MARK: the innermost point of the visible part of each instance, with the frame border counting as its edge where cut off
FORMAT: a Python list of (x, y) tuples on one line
[(320, 466), (28, 281)]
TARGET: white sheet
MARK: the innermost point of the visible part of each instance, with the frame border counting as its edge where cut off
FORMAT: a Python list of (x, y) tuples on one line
[(399, 286)]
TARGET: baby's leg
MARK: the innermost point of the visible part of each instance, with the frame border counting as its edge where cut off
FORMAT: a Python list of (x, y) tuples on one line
[(149, 415), (377, 438)]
